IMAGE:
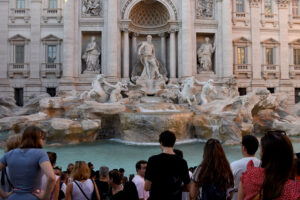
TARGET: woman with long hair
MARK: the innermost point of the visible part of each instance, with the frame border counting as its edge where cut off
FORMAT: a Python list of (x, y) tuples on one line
[(213, 177), (25, 165), (274, 179), (82, 187)]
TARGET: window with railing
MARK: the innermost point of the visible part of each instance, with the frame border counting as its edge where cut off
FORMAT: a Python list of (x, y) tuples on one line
[(240, 6), (53, 4), (296, 56), (20, 4), (242, 55), (51, 54), (19, 54), (270, 56), (296, 7), (268, 8)]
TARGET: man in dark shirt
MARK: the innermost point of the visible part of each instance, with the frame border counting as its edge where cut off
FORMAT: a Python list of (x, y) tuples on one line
[(102, 183), (166, 174)]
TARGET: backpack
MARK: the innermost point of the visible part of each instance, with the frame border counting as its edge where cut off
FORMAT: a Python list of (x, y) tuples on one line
[(61, 194), (211, 192)]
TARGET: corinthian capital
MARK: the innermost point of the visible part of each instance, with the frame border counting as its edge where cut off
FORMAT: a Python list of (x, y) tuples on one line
[(283, 3), (254, 3)]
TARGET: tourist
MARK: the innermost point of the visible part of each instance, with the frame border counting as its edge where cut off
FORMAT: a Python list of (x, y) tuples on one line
[(70, 168), (12, 142), (273, 180), (25, 164), (249, 148), (213, 178), (102, 183), (63, 186), (93, 173), (57, 171), (139, 180), (166, 172), (297, 167), (82, 186)]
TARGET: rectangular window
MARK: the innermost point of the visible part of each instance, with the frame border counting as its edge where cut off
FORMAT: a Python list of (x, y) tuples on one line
[(51, 92), (20, 4), (19, 96), (243, 91), (296, 56), (52, 4), (242, 55), (240, 6), (19, 54), (51, 53), (296, 7), (297, 95), (268, 7), (270, 56)]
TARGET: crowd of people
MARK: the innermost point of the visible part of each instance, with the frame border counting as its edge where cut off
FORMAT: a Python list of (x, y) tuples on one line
[(30, 173)]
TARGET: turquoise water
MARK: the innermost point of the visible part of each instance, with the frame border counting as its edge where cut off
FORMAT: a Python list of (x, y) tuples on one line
[(116, 155)]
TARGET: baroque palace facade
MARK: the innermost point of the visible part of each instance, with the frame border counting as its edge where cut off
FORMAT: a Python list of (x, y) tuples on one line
[(61, 45)]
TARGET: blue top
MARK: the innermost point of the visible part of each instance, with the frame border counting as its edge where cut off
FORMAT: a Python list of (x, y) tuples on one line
[(24, 169)]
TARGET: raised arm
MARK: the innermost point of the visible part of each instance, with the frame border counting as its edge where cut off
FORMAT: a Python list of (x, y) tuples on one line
[(108, 84)]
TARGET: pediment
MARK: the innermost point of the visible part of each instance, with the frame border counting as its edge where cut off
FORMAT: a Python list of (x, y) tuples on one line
[(270, 41), (51, 38), (18, 37), (242, 40), (295, 42)]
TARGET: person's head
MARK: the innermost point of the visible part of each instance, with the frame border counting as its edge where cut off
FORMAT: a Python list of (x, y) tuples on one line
[(57, 171), (149, 38), (91, 166), (140, 167), (131, 176), (249, 145), (70, 168), (178, 153), (277, 159), (122, 171), (115, 177), (103, 172), (52, 157), (167, 139), (215, 167), (64, 177), (13, 142), (32, 138), (81, 171)]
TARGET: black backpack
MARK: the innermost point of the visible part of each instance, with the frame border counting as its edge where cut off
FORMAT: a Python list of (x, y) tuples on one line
[(211, 192), (61, 194)]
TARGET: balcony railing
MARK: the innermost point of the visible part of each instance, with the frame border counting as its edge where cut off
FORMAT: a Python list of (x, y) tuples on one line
[(51, 68), (270, 71), (240, 17), (294, 71), (19, 13), (294, 19), (243, 70), (18, 68), (54, 13), (269, 18)]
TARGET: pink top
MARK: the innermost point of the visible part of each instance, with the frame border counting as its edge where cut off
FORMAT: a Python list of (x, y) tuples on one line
[(253, 180)]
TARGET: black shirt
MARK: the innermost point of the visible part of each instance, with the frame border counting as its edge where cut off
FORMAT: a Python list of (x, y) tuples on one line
[(103, 188), (167, 173)]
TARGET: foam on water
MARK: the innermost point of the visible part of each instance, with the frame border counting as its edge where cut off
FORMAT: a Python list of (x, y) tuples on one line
[(186, 141)]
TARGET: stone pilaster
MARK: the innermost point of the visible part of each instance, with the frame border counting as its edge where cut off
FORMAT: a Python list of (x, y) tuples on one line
[(284, 47), (218, 40), (133, 49), (126, 53), (173, 53), (35, 40), (255, 34), (187, 35), (69, 40), (227, 38), (163, 48), (112, 39), (4, 11)]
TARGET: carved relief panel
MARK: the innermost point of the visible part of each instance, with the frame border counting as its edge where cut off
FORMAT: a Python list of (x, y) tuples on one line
[(205, 9), (92, 8)]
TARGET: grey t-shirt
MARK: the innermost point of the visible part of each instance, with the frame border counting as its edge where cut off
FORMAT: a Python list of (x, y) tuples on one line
[(24, 168)]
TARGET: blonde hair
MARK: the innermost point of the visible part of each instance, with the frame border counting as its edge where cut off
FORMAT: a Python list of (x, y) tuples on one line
[(13, 142), (81, 171)]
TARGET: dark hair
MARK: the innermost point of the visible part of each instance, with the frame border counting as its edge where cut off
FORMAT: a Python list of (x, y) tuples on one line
[(139, 164), (250, 142), (215, 168), (115, 176), (167, 139), (121, 170), (90, 164), (31, 137), (178, 153), (278, 161), (52, 157)]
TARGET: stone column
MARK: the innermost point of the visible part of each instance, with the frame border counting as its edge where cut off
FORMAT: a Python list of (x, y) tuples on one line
[(284, 46), (69, 39), (133, 49), (4, 12), (112, 39), (219, 41), (255, 33), (227, 38), (187, 35), (172, 54), (35, 40), (126, 53), (163, 48)]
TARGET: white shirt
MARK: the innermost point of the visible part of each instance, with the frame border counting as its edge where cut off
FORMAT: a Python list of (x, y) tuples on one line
[(139, 183), (240, 166)]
